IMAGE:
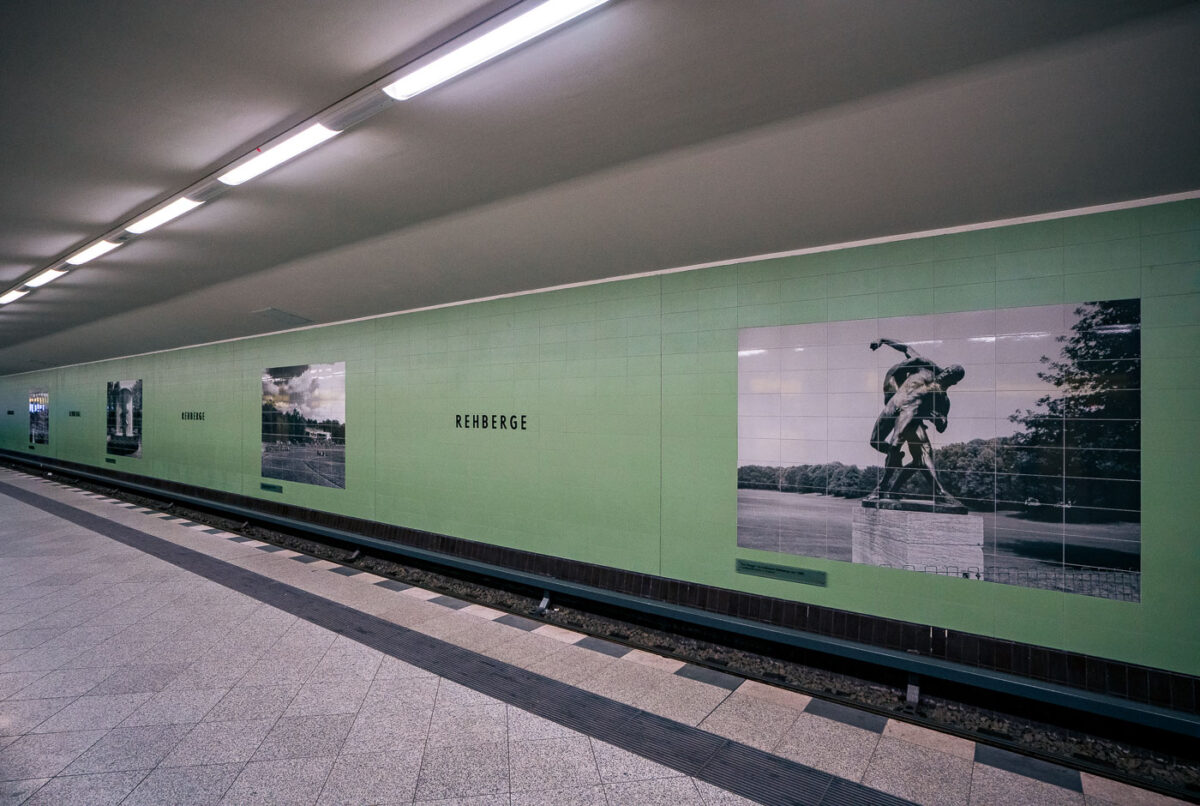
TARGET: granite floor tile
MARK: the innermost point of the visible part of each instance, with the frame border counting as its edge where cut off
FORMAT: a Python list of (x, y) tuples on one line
[(27, 638), (316, 698), (656, 792), (1105, 791), (347, 658), (522, 648), (209, 674), (401, 692), (12, 682), (381, 778), (393, 730), (13, 793), (252, 702), (834, 747), (123, 749), (8, 654), (65, 683), (463, 771), (991, 786), (683, 700), (451, 694), (625, 681), (576, 796), (572, 664), (394, 668), (184, 786), (552, 764), (715, 796), (932, 739), (38, 755), (472, 724), (616, 765), (45, 659), (219, 743), (524, 726), (916, 773), (22, 716), (304, 737), (100, 789), (176, 707), (93, 713), (287, 782), (750, 720), (478, 800)]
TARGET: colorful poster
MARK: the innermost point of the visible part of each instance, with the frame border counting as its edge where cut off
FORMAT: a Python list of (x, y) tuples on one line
[(39, 417)]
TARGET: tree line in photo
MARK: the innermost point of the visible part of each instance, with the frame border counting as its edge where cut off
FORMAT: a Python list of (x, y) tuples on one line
[(292, 426)]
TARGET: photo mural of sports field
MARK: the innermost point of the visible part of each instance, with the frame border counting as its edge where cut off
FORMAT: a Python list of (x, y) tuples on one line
[(1022, 438), (304, 424)]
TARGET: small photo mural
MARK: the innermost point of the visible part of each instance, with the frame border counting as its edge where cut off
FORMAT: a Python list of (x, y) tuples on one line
[(1001, 446), (125, 418), (304, 424), (39, 417)]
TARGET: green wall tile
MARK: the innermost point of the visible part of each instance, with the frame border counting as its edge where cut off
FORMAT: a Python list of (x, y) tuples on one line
[(630, 390)]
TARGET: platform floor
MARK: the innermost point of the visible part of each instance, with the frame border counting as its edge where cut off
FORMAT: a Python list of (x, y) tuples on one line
[(145, 659)]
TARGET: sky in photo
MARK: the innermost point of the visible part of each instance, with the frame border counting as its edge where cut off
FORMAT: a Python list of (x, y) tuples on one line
[(810, 394), (317, 391)]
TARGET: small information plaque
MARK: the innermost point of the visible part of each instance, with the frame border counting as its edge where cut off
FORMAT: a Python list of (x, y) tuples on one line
[(805, 576)]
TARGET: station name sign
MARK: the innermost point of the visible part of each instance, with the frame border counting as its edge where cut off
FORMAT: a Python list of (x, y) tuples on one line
[(492, 422)]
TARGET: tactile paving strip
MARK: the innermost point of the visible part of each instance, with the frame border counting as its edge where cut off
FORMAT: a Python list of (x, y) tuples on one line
[(721, 762)]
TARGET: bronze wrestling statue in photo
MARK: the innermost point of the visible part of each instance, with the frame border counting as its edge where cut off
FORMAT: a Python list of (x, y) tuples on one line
[(914, 395)]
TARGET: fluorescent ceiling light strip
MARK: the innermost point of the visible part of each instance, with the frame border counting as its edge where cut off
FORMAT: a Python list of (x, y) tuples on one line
[(532, 23), (295, 145), (45, 277), (160, 217), (12, 296), (92, 252)]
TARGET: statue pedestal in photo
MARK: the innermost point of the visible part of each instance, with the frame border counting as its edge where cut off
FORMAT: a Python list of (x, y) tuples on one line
[(941, 538)]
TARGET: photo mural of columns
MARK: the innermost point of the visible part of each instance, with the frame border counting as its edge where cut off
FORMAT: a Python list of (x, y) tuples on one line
[(124, 418), (1000, 445), (39, 417), (304, 424)]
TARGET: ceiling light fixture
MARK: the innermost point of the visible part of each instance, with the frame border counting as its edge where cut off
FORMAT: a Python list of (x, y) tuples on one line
[(92, 252), (295, 145), (11, 296), (160, 217), (531, 24), (45, 277)]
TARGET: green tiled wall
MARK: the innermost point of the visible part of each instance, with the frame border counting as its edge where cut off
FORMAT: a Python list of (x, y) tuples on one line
[(630, 388)]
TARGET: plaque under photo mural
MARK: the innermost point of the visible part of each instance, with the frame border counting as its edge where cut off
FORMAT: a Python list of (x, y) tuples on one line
[(304, 424), (39, 417), (124, 415), (1001, 445)]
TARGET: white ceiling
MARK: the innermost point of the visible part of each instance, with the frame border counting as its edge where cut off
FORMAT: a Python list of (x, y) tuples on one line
[(648, 135)]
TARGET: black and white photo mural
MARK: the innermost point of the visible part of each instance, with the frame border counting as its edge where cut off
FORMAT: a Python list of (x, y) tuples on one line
[(39, 417), (999, 445), (304, 424), (124, 415)]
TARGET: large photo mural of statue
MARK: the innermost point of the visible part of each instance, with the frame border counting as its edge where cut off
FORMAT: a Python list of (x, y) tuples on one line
[(1000, 446), (124, 416), (39, 417), (304, 424)]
